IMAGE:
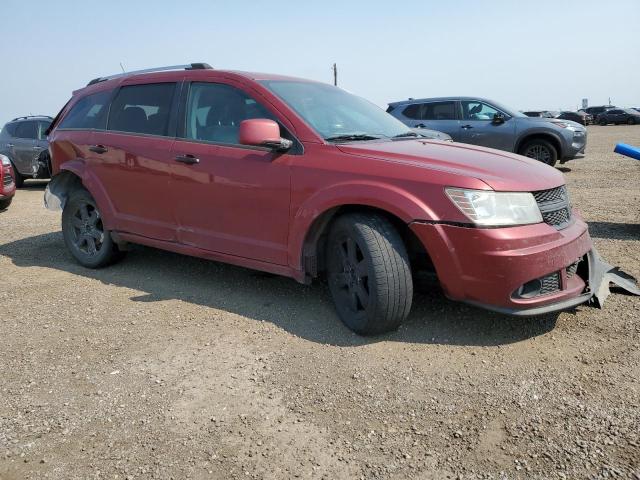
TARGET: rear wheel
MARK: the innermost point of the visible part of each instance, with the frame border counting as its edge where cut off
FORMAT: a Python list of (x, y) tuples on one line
[(541, 150), (5, 202), (84, 233), (631, 121), (602, 122), (368, 273)]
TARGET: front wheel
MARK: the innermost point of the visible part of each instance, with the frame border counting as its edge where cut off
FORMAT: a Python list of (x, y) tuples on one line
[(84, 233), (541, 150), (631, 121), (602, 122), (369, 274)]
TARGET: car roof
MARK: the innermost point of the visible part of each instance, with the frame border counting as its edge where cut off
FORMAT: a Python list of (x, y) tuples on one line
[(31, 117), (438, 99), (176, 75)]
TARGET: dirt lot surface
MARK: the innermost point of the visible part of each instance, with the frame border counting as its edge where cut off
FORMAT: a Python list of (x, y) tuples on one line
[(165, 366)]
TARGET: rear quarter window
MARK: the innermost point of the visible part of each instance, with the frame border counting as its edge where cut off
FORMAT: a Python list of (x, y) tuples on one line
[(89, 112)]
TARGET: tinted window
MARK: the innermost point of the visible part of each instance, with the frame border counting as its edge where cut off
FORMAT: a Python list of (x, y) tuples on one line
[(439, 111), (142, 109), (214, 112), (42, 127), (615, 112), (88, 112), (27, 130), (477, 111), (10, 128), (412, 111)]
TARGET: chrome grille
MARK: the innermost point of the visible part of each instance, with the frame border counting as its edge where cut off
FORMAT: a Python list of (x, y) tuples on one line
[(554, 206)]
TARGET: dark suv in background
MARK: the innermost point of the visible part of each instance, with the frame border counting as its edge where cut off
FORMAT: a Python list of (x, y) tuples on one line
[(618, 116), (486, 123), (24, 141)]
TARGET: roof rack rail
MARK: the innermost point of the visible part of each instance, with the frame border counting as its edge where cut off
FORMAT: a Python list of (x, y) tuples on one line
[(188, 66), (31, 116)]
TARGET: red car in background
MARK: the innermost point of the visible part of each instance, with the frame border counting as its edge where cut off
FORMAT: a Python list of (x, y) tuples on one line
[(303, 179), (7, 183)]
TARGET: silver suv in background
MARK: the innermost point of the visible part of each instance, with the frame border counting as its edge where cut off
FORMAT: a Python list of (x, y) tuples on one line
[(24, 141), (486, 123)]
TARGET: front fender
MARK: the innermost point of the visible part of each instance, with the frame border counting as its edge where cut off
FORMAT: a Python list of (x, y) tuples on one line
[(75, 174), (388, 198)]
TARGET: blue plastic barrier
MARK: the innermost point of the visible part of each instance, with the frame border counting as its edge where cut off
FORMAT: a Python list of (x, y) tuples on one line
[(627, 150)]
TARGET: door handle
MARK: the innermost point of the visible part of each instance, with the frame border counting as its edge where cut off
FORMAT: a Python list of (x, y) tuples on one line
[(188, 159), (36, 148), (98, 148), (466, 127)]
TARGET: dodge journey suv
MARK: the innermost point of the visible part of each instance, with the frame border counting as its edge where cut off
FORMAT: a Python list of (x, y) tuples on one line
[(303, 179), (486, 123)]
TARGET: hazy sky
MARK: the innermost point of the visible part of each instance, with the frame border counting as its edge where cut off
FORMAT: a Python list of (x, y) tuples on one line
[(529, 55)]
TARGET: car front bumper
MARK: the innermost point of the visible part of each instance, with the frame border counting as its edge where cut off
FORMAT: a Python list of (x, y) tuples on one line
[(487, 267), (576, 144)]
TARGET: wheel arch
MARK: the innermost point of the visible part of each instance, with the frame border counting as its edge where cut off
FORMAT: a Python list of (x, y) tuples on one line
[(550, 137), (74, 175), (310, 232)]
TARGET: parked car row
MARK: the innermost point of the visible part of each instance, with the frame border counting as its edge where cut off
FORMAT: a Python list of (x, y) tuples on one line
[(306, 180)]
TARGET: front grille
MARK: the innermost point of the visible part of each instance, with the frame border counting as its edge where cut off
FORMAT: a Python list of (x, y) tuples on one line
[(550, 284), (554, 206), (572, 269)]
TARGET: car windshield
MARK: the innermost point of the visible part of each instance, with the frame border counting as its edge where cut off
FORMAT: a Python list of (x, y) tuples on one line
[(631, 111), (335, 114)]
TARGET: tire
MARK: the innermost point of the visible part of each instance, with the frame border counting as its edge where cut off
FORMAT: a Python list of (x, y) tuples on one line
[(5, 202), (84, 234), (602, 122), (368, 273), (541, 150), (631, 121)]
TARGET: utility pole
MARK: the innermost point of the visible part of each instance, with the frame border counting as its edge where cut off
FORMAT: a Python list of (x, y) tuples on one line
[(335, 74)]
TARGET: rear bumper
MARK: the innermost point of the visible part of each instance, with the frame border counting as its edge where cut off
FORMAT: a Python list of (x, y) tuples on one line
[(486, 267)]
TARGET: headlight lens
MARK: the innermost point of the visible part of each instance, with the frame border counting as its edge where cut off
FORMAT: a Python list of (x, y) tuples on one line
[(495, 209), (5, 160), (565, 125)]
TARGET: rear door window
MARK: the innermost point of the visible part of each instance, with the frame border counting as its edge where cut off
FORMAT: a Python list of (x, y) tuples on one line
[(10, 129), (143, 109), (27, 130), (438, 111), (89, 112), (413, 111)]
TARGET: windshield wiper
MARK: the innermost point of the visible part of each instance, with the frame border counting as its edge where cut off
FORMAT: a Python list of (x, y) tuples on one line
[(406, 134), (352, 137)]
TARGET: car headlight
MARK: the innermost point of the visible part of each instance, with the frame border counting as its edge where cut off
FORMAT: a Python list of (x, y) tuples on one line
[(495, 209), (5, 160), (566, 125)]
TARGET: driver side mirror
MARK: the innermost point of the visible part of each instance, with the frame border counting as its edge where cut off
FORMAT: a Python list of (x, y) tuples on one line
[(498, 118), (262, 132)]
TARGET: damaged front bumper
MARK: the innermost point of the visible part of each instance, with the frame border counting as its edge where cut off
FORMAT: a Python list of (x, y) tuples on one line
[(601, 276)]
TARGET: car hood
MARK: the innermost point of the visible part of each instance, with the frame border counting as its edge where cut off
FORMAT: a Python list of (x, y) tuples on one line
[(502, 171), (544, 122)]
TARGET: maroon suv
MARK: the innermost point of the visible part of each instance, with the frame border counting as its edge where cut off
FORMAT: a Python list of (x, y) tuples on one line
[(305, 180)]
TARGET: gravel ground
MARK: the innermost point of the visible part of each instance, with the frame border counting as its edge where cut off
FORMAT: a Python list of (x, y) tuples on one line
[(165, 366)]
